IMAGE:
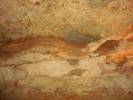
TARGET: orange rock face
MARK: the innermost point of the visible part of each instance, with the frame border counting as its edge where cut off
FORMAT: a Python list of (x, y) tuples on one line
[(22, 44), (66, 50)]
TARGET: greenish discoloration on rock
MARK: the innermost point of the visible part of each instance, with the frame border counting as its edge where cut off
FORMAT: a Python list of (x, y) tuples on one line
[(98, 3), (75, 36)]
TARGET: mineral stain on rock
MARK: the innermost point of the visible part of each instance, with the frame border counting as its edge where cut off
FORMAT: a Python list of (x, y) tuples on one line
[(98, 3), (79, 39), (76, 72), (66, 50)]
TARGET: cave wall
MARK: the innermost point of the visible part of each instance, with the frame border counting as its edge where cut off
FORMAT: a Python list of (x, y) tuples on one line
[(66, 18), (76, 67)]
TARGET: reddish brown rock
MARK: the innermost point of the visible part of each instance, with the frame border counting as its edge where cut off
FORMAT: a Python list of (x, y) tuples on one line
[(107, 46)]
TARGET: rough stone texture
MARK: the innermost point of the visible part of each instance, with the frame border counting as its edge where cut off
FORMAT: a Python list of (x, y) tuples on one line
[(34, 70), (67, 18), (84, 50)]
